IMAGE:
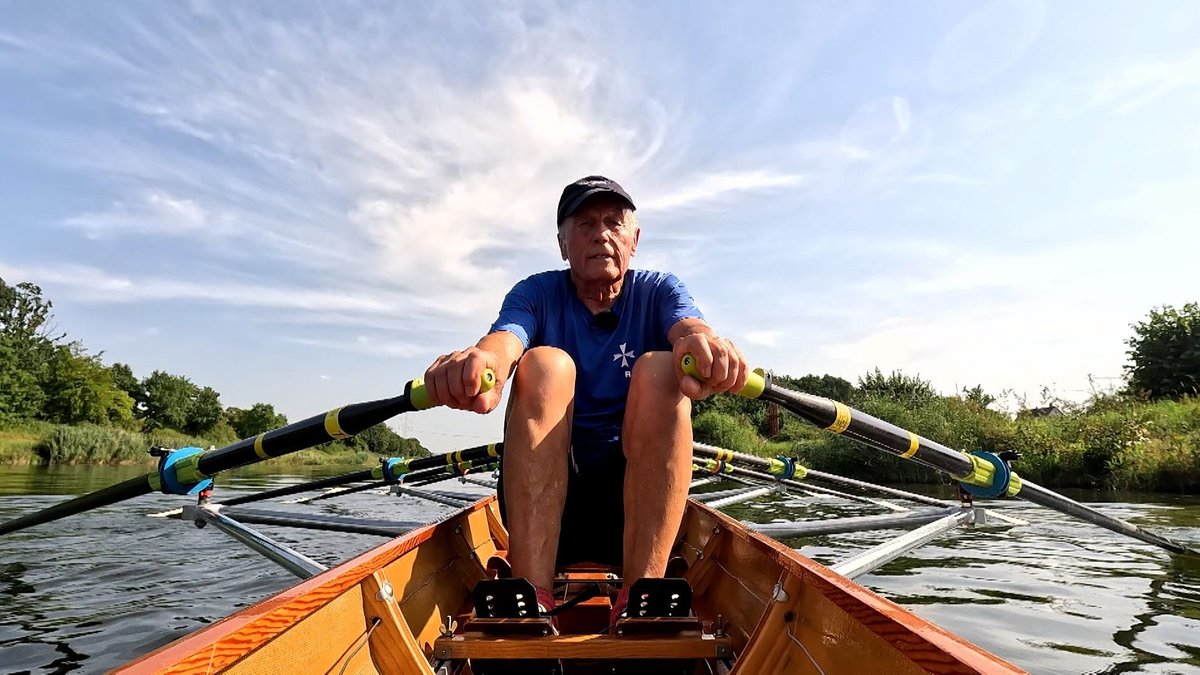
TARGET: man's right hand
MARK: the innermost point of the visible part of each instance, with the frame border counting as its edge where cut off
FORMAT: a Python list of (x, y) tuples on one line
[(453, 380)]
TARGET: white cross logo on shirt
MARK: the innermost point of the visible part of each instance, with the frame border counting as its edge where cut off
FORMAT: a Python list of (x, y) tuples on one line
[(623, 355)]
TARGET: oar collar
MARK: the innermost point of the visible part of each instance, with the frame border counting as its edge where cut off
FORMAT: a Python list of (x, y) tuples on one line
[(179, 473)]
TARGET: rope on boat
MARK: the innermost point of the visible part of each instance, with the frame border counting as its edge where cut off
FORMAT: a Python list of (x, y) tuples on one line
[(360, 642)]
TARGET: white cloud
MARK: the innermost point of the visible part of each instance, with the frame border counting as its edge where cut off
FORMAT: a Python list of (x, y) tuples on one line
[(153, 213), (768, 338), (986, 43), (1137, 85), (363, 344), (706, 188), (95, 285)]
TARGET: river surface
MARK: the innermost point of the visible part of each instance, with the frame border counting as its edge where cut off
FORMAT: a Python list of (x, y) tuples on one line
[(88, 593)]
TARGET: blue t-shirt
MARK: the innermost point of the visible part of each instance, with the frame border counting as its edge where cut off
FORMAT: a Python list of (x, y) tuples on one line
[(544, 310)]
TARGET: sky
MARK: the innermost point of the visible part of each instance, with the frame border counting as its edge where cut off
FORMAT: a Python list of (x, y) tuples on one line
[(306, 203)]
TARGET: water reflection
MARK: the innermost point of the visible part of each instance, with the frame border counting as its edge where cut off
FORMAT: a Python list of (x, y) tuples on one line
[(91, 592)]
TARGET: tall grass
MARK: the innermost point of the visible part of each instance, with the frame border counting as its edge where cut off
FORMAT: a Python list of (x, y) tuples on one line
[(90, 444), (35, 442)]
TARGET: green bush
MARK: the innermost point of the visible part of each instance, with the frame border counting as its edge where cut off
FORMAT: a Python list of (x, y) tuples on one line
[(726, 431)]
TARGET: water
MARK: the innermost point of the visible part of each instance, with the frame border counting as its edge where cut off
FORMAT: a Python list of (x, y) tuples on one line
[(88, 593)]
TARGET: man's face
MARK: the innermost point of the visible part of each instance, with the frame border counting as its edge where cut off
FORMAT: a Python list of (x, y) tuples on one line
[(598, 240)]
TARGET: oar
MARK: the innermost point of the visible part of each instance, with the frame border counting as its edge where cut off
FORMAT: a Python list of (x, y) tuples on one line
[(190, 469), (384, 471), (779, 467), (332, 481), (982, 471), (461, 462), (717, 466)]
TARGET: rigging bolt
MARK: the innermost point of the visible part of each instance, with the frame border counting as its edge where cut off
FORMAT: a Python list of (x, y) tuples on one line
[(778, 594), (385, 592), (719, 626)]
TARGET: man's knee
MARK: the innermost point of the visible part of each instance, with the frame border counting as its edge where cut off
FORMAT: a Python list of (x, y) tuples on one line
[(543, 367), (654, 373)]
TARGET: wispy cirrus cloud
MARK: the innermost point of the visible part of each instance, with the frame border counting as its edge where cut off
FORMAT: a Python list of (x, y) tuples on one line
[(713, 187), (1135, 86)]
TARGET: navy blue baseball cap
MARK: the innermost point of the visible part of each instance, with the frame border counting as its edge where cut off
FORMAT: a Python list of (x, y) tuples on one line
[(575, 194)]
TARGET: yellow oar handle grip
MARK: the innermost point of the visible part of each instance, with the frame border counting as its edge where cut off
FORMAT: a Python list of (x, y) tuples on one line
[(756, 382), (418, 395)]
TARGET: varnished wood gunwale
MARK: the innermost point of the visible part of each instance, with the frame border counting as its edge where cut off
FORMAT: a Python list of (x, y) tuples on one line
[(257, 625), (913, 636)]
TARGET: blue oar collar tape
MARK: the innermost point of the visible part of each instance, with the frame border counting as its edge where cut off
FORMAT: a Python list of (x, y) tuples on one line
[(171, 484)]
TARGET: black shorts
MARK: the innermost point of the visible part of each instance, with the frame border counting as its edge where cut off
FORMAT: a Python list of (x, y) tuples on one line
[(593, 520)]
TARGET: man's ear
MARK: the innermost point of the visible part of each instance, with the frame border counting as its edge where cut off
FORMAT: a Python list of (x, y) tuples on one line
[(562, 244), (636, 235)]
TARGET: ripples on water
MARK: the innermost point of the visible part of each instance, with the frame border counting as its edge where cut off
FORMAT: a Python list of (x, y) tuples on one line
[(91, 592)]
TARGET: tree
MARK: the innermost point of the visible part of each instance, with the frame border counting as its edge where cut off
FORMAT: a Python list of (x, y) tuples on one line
[(168, 400), (26, 349), (25, 315), (21, 396), (205, 412), (907, 389), (123, 378), (259, 418), (977, 396), (1165, 353), (381, 440), (78, 388), (828, 386)]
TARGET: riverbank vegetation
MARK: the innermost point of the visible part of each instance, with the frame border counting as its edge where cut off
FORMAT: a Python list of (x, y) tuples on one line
[(61, 404)]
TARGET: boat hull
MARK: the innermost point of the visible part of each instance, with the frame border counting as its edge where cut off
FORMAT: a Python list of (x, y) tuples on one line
[(384, 611)]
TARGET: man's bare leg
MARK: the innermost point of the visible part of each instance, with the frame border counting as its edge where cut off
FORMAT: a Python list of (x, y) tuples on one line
[(657, 435), (535, 461)]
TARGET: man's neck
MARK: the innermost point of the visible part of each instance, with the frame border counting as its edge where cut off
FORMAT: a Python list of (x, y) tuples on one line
[(597, 297)]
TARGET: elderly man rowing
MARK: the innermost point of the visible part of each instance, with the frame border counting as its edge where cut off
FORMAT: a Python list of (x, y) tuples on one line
[(598, 439)]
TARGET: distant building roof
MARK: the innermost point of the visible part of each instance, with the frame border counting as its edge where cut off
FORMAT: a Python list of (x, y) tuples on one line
[(1048, 411)]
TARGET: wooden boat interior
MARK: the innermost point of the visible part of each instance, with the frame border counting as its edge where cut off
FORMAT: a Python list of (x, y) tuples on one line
[(406, 607)]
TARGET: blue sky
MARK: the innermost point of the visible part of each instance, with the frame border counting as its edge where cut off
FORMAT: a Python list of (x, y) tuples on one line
[(305, 203)]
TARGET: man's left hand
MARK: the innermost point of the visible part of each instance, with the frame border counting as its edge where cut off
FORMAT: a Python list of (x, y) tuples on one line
[(720, 362)]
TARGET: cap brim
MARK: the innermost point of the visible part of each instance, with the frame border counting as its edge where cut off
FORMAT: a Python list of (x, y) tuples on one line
[(574, 205)]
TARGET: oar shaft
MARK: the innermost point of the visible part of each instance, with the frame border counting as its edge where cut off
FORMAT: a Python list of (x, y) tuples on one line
[(344, 491), (841, 419), (334, 425), (1052, 500), (332, 481), (763, 463), (112, 494)]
